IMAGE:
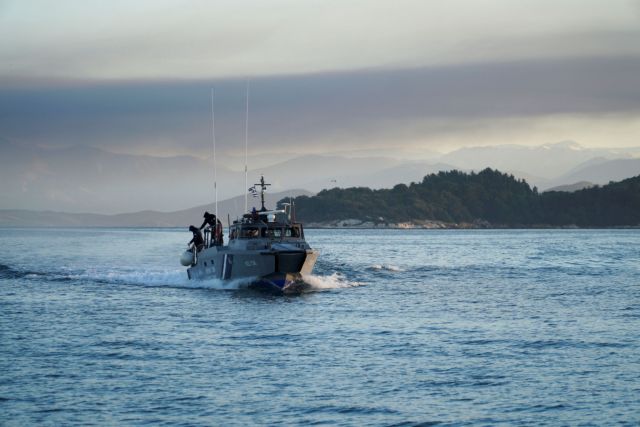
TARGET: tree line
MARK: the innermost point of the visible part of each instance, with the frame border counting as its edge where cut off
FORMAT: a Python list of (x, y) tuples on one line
[(488, 196)]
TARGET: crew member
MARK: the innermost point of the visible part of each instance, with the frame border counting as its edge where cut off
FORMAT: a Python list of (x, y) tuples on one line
[(197, 241), (254, 215), (209, 219), (216, 226)]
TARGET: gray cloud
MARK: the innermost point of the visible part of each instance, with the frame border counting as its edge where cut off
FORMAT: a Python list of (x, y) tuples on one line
[(190, 39), (292, 112)]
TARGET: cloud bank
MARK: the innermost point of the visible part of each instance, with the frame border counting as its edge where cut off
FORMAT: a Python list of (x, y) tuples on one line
[(202, 39), (595, 101)]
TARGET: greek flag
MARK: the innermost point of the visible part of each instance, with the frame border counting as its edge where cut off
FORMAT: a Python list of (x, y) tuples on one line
[(253, 191)]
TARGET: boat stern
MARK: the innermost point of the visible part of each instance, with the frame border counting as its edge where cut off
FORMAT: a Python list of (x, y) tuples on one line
[(279, 283)]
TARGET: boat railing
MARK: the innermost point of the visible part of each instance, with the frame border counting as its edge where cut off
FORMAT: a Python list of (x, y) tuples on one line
[(207, 237)]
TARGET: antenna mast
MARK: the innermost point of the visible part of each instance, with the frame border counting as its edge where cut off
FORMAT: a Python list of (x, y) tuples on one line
[(263, 187), (246, 145), (215, 169)]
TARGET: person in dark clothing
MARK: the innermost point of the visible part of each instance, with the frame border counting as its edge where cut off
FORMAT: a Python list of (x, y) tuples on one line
[(209, 219), (216, 226), (197, 241)]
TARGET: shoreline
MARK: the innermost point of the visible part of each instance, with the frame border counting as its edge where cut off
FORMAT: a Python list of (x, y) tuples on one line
[(541, 227), (341, 225), (353, 224)]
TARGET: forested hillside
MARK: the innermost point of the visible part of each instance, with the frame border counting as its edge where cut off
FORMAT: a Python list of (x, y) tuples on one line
[(489, 196)]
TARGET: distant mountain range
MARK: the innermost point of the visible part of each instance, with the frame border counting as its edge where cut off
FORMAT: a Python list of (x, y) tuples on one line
[(545, 161), (570, 188), (230, 208), (601, 171), (83, 179), (551, 165)]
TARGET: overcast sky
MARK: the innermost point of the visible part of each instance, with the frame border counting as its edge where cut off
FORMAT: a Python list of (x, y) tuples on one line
[(325, 75)]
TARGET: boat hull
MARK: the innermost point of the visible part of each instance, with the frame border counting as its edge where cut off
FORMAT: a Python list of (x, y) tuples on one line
[(278, 271)]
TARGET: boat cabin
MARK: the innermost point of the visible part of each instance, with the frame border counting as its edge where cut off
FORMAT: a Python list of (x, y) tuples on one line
[(272, 225)]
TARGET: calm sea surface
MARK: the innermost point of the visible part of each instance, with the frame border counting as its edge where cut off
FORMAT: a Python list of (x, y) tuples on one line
[(455, 327)]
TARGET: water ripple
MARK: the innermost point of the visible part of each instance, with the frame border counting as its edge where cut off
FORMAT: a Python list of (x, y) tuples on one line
[(406, 328)]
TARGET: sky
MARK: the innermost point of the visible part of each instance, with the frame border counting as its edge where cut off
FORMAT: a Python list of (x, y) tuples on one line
[(401, 78)]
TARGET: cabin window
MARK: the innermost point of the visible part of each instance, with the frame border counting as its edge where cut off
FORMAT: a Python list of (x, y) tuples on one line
[(272, 233), (292, 232), (249, 233)]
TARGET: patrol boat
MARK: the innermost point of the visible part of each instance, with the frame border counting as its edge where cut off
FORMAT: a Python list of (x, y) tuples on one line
[(266, 247)]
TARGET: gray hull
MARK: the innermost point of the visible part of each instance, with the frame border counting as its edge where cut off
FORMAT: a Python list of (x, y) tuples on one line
[(272, 269)]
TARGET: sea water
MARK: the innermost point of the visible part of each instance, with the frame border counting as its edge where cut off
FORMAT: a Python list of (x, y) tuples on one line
[(397, 327)]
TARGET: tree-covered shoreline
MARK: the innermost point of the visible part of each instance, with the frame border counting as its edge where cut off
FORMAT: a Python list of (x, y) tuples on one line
[(476, 200)]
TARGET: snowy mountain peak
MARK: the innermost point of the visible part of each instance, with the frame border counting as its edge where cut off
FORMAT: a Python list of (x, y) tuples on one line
[(564, 145)]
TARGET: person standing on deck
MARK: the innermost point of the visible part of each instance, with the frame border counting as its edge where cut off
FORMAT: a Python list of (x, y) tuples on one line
[(216, 226)]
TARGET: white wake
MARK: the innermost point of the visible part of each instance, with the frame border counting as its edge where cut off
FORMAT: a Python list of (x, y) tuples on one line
[(178, 279), (334, 281), (389, 267)]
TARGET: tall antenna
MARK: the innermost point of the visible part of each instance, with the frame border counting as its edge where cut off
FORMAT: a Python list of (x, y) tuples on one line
[(263, 186), (246, 145), (215, 169)]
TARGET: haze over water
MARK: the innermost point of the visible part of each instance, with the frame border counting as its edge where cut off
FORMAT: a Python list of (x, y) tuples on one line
[(486, 327)]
